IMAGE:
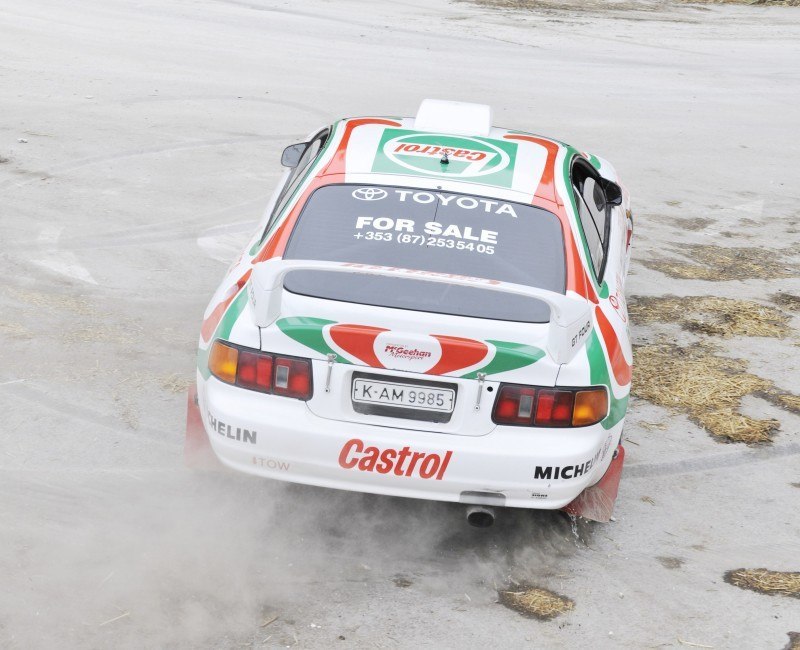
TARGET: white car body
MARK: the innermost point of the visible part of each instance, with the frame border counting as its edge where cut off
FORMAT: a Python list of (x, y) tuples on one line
[(337, 437)]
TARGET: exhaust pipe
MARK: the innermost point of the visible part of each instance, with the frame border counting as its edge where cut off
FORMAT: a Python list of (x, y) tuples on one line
[(480, 516)]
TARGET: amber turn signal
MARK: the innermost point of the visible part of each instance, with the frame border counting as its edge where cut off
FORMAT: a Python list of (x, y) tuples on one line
[(223, 361), (591, 406)]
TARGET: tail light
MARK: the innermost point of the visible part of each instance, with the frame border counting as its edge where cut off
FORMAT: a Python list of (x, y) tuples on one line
[(554, 408), (254, 371), (261, 371), (532, 406), (292, 378), (514, 405)]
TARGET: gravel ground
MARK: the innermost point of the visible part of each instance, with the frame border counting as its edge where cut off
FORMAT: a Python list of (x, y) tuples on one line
[(139, 142)]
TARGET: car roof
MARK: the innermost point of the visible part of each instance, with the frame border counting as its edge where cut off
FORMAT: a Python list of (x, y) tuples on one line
[(481, 158)]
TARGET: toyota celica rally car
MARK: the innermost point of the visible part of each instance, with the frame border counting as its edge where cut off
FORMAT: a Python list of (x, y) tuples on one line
[(432, 307)]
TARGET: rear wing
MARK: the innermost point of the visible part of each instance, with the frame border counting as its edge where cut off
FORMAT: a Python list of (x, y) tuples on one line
[(570, 316)]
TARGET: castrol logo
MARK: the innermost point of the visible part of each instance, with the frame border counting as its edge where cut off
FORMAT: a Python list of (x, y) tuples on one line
[(468, 157), (356, 455)]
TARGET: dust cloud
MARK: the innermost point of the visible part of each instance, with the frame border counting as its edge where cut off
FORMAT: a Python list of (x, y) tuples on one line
[(178, 559)]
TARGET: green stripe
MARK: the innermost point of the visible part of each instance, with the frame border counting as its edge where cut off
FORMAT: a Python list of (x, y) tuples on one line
[(308, 332), (598, 374), (223, 330), (568, 158), (508, 356)]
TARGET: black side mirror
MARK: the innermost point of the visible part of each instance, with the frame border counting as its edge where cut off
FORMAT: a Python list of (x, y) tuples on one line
[(613, 192), (292, 154)]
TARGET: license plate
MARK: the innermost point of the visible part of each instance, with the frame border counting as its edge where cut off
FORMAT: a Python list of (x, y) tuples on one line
[(407, 396)]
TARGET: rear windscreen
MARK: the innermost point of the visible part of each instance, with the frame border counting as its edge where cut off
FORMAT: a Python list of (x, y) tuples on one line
[(431, 231)]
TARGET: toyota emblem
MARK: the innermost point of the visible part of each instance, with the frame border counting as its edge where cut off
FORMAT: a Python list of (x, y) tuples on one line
[(369, 194)]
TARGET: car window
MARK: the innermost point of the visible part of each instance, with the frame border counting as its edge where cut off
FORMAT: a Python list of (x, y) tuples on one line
[(595, 198), (593, 212), (298, 174), (433, 231)]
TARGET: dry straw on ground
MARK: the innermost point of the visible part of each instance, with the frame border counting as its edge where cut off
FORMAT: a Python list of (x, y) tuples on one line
[(669, 562), (719, 263), (76, 304), (789, 402), (691, 223), (764, 581), (794, 641), (711, 315), (786, 300), (536, 602), (709, 388), (561, 5), (176, 383), (15, 331), (773, 3), (618, 5)]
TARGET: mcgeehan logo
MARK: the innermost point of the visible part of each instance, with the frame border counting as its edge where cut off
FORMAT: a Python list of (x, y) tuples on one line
[(402, 352)]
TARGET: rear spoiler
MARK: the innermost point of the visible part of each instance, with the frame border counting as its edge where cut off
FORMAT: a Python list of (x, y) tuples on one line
[(570, 316)]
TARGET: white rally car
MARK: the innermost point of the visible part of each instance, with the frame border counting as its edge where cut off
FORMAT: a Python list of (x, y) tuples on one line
[(432, 307)]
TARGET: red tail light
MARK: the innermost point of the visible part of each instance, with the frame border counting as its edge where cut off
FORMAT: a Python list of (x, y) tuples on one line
[(554, 408), (261, 371), (292, 378), (254, 371), (549, 407), (514, 405)]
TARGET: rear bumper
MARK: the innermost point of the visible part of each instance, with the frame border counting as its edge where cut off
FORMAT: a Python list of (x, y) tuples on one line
[(517, 467)]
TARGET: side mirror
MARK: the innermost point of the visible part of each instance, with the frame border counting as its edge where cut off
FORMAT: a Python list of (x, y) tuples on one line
[(613, 192), (292, 154)]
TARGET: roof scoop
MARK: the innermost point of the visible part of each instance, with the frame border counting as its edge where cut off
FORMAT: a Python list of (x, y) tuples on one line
[(460, 118)]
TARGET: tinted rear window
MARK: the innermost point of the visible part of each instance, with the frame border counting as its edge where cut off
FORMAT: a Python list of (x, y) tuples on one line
[(431, 231)]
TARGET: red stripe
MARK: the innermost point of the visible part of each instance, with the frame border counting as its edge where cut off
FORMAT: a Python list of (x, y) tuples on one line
[(276, 244), (547, 184), (337, 163), (577, 279), (358, 340), (458, 353), (210, 323), (621, 368)]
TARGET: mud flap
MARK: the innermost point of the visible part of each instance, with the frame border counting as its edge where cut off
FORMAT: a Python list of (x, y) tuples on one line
[(197, 452), (597, 502)]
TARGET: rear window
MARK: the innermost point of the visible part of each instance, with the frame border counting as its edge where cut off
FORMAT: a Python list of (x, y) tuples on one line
[(431, 231)]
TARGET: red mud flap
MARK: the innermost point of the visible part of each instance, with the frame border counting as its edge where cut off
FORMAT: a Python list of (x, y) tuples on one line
[(597, 502), (197, 452)]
